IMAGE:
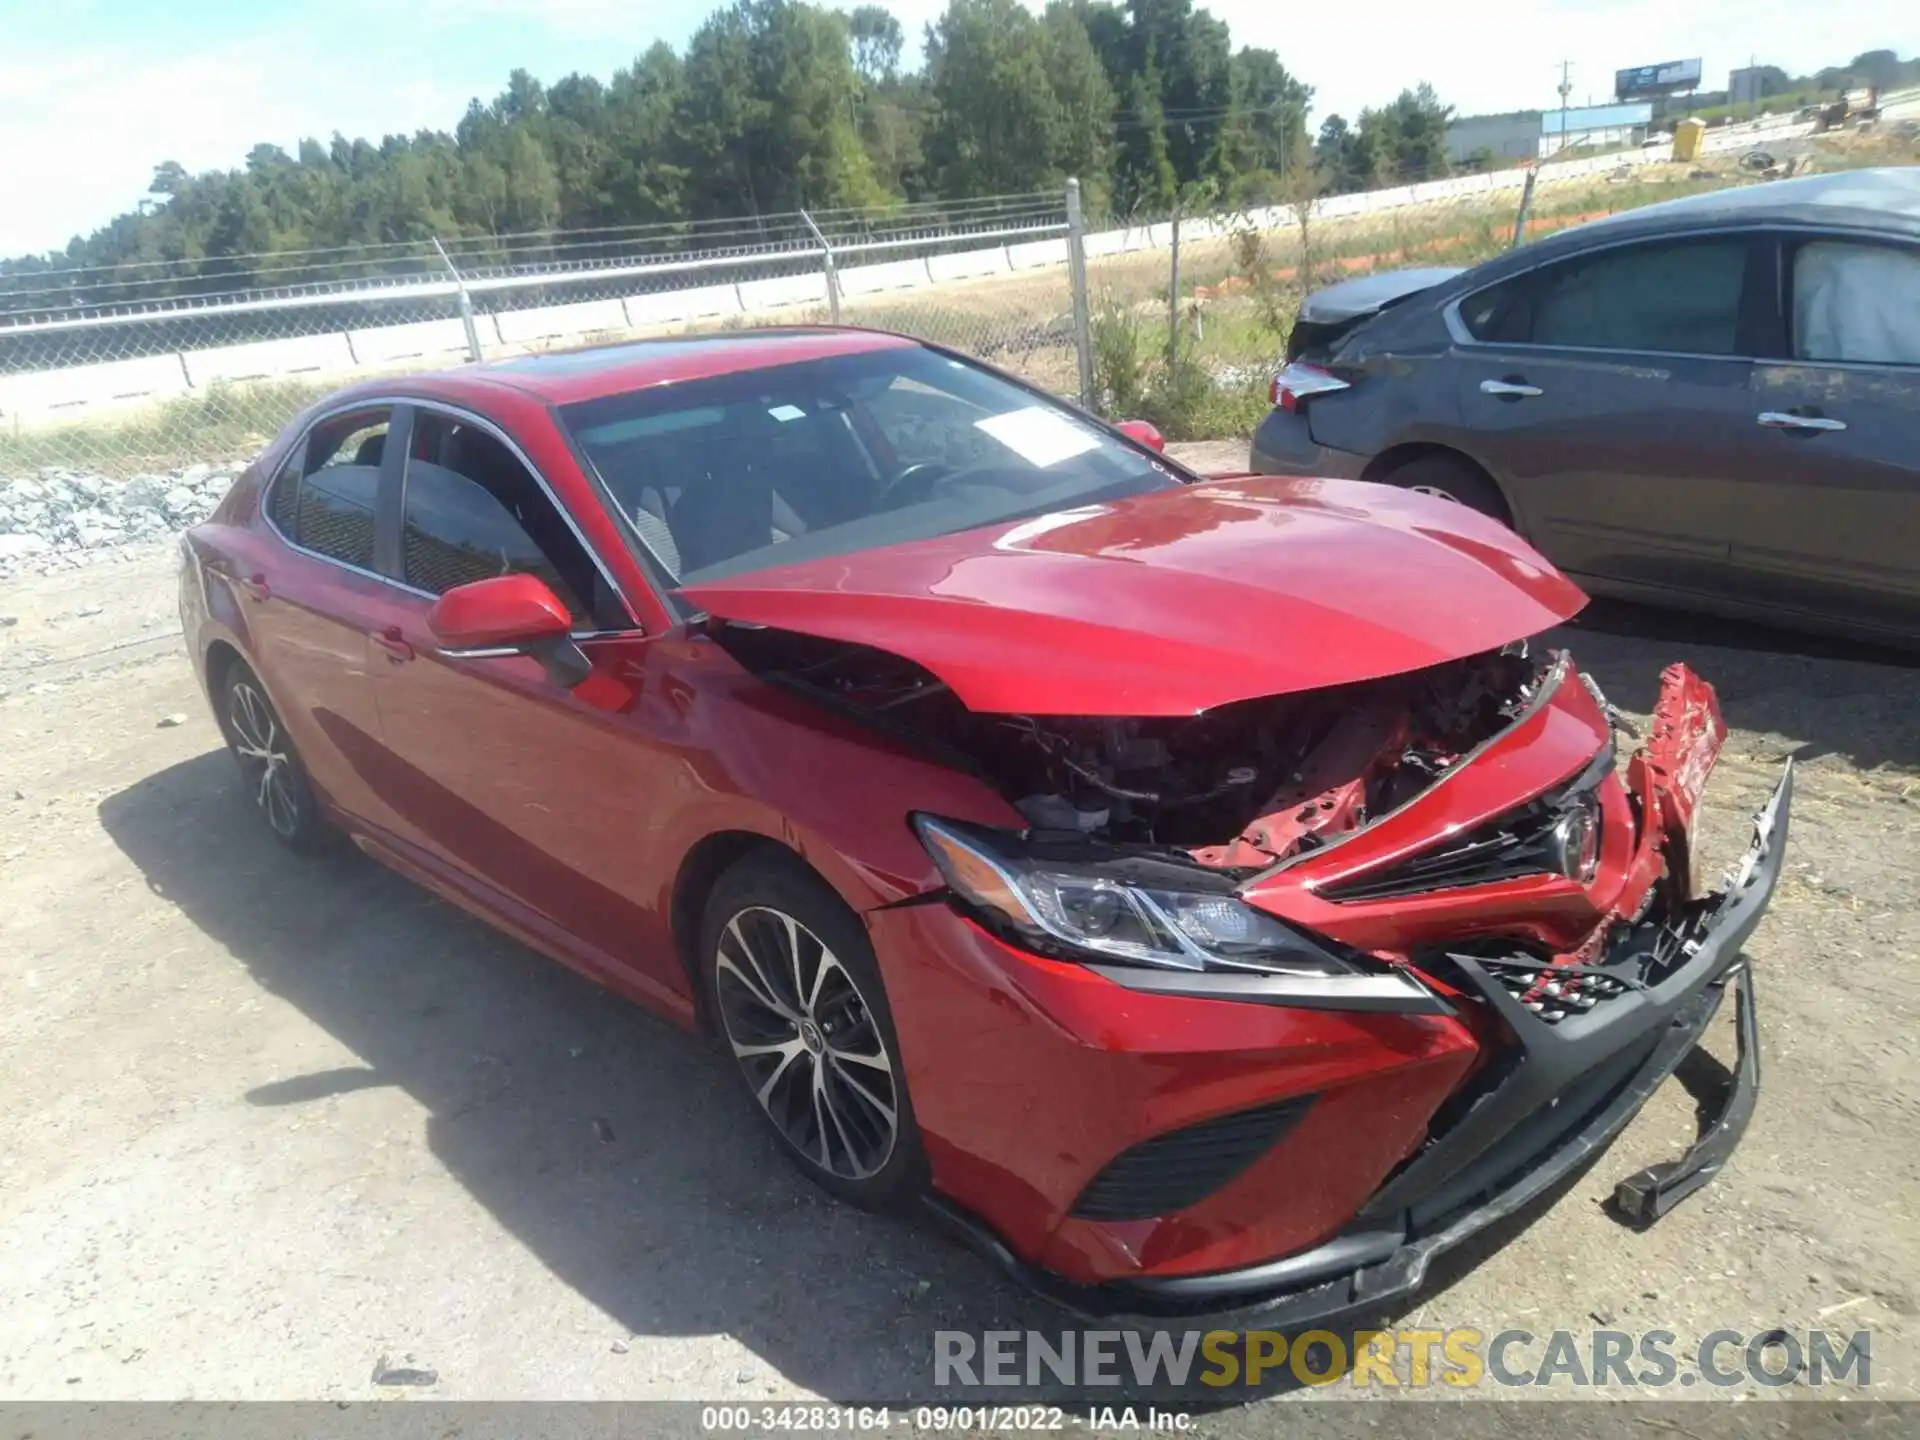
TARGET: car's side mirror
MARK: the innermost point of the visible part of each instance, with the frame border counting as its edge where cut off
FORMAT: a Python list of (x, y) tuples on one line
[(1145, 432), (511, 612)]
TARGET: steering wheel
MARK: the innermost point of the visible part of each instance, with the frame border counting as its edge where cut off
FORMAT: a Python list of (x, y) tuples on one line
[(914, 483)]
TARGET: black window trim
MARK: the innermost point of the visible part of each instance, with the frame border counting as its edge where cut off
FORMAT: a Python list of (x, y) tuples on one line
[(391, 499), (296, 461), (1463, 338), (1787, 244)]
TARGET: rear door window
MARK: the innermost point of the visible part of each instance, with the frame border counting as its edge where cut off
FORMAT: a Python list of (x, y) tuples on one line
[(1669, 297), (326, 498)]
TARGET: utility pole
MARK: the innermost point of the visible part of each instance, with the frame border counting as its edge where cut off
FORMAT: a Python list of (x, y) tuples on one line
[(1566, 89)]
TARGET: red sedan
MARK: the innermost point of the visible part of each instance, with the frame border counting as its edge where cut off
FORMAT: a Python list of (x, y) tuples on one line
[(1196, 891)]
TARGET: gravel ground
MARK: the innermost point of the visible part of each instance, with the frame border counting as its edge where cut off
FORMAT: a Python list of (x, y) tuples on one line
[(60, 519), (289, 1129)]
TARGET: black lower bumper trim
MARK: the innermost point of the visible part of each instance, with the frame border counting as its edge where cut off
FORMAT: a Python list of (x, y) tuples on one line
[(1654, 1191), (1385, 1257)]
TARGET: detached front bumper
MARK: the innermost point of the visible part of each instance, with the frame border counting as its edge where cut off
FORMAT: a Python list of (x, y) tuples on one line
[(1571, 1088)]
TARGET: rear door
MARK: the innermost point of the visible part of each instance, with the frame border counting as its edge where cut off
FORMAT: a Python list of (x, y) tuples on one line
[(1609, 391), (311, 601), (1833, 526)]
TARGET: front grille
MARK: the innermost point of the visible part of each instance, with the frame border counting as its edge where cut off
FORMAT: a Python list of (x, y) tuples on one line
[(1181, 1168), (1513, 847), (1510, 849), (1553, 992)]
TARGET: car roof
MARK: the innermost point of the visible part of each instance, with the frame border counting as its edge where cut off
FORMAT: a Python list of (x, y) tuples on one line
[(1887, 198), (1883, 200), (561, 377)]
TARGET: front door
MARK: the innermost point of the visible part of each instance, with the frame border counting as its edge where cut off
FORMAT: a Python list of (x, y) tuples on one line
[(542, 796), (1609, 392)]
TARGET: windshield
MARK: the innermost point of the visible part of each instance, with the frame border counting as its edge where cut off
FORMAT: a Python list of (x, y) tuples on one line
[(741, 472)]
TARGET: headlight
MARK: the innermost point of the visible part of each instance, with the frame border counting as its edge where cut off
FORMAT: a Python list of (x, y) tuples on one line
[(1137, 911)]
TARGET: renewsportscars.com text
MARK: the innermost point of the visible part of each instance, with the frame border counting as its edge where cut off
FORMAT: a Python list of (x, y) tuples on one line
[(1460, 1358)]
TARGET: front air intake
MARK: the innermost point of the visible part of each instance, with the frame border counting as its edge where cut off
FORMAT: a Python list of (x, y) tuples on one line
[(1182, 1167)]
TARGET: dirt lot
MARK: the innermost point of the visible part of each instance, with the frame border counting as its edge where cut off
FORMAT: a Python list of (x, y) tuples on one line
[(273, 1125)]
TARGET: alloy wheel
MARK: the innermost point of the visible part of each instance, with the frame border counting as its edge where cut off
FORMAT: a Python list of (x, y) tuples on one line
[(266, 762), (1437, 492), (806, 1038)]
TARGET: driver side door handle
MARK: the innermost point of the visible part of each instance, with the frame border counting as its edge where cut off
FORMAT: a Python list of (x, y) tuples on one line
[(1783, 420), (394, 643), (1510, 389)]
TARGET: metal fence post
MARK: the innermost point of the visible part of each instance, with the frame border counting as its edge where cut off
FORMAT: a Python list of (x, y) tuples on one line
[(1077, 281), (826, 262), (1526, 205), (1173, 297), (466, 302)]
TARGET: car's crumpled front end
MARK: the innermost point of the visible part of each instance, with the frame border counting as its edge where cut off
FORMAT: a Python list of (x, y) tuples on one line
[(1318, 925), (1416, 988)]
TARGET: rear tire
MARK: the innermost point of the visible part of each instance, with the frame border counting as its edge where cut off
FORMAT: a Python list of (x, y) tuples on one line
[(1452, 477), (798, 1002), (275, 780)]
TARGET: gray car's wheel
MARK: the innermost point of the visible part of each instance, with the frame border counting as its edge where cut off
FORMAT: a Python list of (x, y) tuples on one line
[(1452, 477), (797, 999), (270, 767)]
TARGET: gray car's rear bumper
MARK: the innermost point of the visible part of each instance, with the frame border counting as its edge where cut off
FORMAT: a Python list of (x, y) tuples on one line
[(1283, 445)]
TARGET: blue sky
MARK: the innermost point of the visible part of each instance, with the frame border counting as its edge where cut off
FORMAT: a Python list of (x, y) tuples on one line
[(95, 93)]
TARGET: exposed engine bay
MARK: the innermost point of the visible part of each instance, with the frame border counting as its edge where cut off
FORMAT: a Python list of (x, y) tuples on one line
[(1240, 786)]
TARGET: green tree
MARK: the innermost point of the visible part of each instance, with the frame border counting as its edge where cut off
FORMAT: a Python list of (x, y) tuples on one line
[(641, 177), (877, 43), (1264, 129), (1145, 178), (996, 122), (1405, 141), (1878, 68), (1083, 102), (1188, 55), (766, 117)]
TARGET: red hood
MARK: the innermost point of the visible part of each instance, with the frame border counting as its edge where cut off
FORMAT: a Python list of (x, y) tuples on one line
[(1177, 601)]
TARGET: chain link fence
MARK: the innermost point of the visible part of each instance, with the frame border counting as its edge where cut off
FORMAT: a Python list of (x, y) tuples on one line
[(148, 367), (151, 366)]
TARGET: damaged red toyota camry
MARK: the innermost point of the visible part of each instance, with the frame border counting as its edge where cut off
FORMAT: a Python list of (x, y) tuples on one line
[(1205, 894)]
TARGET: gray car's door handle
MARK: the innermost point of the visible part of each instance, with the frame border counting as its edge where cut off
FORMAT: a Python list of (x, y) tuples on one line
[(1780, 420), (1508, 389)]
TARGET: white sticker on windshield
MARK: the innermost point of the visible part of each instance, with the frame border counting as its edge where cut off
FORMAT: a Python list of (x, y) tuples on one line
[(784, 413), (1039, 436)]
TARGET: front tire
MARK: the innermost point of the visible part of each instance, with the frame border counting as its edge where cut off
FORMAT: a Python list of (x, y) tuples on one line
[(270, 767), (797, 999)]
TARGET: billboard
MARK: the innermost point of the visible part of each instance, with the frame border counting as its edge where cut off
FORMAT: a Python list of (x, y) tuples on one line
[(1743, 86), (1644, 82)]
